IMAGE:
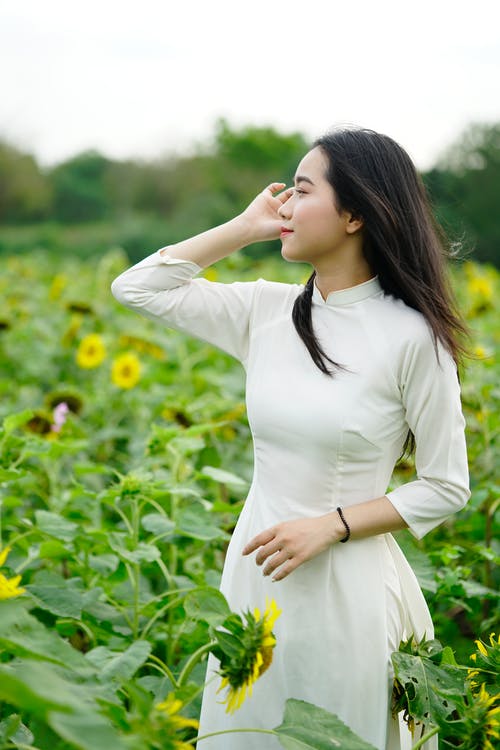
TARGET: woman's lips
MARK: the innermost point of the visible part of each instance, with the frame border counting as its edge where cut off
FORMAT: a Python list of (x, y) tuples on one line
[(285, 232)]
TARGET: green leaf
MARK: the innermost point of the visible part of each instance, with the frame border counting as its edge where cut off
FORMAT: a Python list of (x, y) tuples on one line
[(104, 564), (308, 727), (62, 601), (35, 687), (13, 421), (157, 524), (197, 523), (430, 688), (23, 635), (6, 475), (225, 477), (121, 666), (142, 553), (87, 730), (207, 604), (55, 525), (53, 549)]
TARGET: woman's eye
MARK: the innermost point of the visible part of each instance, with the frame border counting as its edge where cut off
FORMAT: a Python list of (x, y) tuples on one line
[(300, 192)]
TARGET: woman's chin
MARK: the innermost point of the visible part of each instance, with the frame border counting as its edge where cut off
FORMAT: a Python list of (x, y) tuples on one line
[(289, 255)]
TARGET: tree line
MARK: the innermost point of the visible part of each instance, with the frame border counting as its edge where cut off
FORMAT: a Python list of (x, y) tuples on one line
[(193, 192)]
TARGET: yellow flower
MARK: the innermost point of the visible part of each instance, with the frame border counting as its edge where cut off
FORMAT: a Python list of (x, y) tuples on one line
[(91, 351), (481, 647), (170, 707), (126, 370), (490, 721), (211, 274), (8, 587), (59, 281), (481, 287), (239, 673), (141, 345)]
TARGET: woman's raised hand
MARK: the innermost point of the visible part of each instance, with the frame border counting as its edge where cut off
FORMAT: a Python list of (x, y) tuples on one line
[(261, 216)]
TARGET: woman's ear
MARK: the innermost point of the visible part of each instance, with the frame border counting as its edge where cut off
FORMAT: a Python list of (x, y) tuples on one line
[(354, 223)]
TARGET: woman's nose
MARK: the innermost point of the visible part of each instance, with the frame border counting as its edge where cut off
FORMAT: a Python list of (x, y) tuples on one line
[(285, 210)]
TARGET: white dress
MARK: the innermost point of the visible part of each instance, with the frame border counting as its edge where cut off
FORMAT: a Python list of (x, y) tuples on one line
[(320, 442)]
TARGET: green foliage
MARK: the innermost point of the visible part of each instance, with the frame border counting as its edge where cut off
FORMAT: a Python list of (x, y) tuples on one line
[(90, 202), (119, 519), (464, 185), (80, 189), (25, 193), (308, 727)]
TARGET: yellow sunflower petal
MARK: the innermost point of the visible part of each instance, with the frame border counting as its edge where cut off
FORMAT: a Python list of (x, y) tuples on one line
[(3, 555)]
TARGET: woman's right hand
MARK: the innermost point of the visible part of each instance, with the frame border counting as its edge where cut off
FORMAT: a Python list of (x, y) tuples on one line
[(261, 215)]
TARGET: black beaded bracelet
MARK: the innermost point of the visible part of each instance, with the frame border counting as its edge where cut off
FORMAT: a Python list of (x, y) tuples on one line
[(348, 530)]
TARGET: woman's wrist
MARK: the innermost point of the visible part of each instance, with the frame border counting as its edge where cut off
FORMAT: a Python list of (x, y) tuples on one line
[(336, 528)]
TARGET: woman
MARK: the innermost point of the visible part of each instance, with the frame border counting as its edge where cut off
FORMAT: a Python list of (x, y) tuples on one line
[(342, 375)]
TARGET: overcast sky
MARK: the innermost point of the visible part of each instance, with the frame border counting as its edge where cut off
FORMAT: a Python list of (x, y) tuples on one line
[(151, 77)]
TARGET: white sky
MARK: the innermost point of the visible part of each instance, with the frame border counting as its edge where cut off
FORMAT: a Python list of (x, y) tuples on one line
[(150, 77)]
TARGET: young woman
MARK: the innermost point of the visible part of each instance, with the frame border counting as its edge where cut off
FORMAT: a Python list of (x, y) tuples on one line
[(342, 374)]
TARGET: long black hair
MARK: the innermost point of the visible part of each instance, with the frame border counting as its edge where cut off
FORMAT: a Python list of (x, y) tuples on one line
[(374, 178)]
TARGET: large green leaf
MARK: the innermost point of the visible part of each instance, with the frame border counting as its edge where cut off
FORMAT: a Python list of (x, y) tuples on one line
[(56, 525), (37, 688), (89, 731), (308, 727), (430, 688), (62, 601), (197, 523), (68, 708), (225, 477), (121, 666), (207, 604), (23, 635), (157, 524)]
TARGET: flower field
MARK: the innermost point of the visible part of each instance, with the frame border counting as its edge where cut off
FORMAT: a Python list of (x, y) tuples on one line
[(125, 457)]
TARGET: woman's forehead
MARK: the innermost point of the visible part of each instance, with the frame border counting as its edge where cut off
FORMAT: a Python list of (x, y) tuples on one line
[(312, 166)]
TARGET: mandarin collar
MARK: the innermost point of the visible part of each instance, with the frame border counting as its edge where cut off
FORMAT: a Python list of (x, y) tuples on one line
[(347, 296)]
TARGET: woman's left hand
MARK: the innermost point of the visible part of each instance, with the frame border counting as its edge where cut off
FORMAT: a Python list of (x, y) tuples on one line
[(291, 543)]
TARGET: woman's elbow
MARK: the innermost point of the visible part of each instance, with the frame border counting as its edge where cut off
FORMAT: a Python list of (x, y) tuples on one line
[(119, 290)]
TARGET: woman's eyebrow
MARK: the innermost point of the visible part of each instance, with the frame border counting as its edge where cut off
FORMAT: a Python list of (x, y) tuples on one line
[(302, 178)]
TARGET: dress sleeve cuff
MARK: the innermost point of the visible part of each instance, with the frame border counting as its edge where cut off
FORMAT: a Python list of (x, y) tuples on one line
[(172, 260)]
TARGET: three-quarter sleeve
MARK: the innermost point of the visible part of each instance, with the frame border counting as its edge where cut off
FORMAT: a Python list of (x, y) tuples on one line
[(430, 393), (163, 288)]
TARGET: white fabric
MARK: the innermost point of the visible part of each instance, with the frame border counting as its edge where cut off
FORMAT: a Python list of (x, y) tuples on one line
[(320, 442)]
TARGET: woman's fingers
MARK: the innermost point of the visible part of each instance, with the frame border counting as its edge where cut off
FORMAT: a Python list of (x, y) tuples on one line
[(278, 559), (274, 187), (267, 550), (263, 538), (285, 195)]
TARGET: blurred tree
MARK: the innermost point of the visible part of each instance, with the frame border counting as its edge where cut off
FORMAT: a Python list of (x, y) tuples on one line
[(25, 194), (79, 186), (465, 185)]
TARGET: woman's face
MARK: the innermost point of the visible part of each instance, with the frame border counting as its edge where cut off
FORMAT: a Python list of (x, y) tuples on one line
[(317, 228)]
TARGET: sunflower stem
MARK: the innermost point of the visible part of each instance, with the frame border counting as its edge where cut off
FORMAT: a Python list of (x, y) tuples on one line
[(424, 739), (192, 661), (234, 731)]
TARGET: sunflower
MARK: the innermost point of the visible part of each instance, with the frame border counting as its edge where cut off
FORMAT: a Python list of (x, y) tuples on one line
[(126, 370), (91, 351), (170, 708), (486, 668), (245, 652), (9, 587)]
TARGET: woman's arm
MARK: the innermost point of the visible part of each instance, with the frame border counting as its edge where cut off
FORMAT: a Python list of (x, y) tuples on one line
[(292, 543), (162, 286), (259, 222)]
